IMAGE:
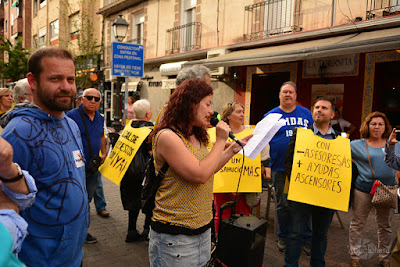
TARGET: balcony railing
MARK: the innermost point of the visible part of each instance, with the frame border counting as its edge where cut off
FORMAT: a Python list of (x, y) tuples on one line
[(183, 38), (382, 8), (271, 17)]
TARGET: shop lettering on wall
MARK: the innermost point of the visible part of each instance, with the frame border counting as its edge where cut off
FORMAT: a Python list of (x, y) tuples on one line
[(155, 84), (334, 66)]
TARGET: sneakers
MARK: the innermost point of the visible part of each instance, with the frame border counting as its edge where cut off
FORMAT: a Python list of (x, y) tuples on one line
[(90, 239), (281, 245), (355, 263), (307, 249), (103, 213)]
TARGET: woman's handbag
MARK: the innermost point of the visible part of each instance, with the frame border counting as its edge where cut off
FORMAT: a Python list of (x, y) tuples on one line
[(384, 196)]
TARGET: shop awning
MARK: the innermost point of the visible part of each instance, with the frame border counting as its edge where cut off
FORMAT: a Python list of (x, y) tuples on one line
[(378, 40), (132, 86), (170, 69)]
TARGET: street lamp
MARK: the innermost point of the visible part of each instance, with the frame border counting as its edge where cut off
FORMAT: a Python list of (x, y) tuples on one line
[(120, 27)]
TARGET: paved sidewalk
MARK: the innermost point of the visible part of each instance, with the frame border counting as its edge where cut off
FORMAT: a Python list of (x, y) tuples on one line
[(111, 249)]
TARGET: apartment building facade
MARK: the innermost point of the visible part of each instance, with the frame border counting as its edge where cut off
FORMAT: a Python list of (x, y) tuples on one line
[(75, 25), (347, 50)]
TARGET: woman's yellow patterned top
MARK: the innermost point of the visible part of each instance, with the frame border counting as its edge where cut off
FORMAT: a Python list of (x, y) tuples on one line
[(178, 201)]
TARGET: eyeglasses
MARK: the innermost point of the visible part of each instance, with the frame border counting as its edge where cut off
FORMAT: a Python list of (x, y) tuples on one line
[(90, 97)]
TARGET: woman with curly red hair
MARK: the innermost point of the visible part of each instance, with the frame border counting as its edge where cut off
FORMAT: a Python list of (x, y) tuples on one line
[(180, 229)]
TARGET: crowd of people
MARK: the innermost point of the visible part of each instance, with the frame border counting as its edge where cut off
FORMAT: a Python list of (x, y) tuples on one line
[(50, 155)]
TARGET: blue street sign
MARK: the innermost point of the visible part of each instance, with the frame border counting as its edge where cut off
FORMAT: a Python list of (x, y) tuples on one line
[(127, 60)]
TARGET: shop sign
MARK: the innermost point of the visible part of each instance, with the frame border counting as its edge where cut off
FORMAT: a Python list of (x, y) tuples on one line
[(331, 66)]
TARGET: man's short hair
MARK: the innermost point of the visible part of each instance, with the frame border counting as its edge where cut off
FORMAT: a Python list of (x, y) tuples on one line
[(35, 60), (323, 98), (19, 89), (289, 83), (195, 71), (140, 108)]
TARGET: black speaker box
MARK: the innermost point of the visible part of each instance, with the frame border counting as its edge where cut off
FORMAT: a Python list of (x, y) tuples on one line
[(241, 241)]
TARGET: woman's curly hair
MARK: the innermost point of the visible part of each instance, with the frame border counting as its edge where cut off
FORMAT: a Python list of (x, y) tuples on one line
[(181, 108)]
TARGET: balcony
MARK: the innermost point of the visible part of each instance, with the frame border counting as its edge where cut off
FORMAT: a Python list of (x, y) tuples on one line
[(18, 26), (271, 17), (183, 38), (382, 8)]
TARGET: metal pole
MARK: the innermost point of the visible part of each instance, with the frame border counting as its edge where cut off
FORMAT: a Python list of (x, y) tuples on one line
[(126, 98)]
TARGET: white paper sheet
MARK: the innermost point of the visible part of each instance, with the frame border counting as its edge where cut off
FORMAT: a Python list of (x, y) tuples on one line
[(262, 134)]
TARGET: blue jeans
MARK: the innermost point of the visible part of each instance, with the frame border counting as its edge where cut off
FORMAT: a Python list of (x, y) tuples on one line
[(179, 250), (282, 208), (321, 220), (94, 187)]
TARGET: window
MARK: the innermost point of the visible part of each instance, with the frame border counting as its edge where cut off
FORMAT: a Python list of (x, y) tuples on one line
[(138, 29), (6, 26), (42, 3), (54, 30), (12, 20), (74, 25), (35, 42), (189, 16), (35, 7), (42, 37), (279, 16)]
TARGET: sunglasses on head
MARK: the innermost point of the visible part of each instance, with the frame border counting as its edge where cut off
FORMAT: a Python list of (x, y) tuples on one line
[(90, 97)]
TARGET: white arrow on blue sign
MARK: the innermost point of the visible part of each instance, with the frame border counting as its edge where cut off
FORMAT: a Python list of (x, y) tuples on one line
[(127, 60)]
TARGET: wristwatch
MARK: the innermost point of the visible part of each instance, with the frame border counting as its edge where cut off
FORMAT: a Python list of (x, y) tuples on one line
[(18, 177)]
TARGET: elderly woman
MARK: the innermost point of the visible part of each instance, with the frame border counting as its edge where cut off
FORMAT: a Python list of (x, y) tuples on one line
[(131, 184), (368, 152), (6, 100), (180, 232)]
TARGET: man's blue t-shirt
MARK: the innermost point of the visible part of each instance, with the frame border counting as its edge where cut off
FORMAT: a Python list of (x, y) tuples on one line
[(300, 117), (95, 129)]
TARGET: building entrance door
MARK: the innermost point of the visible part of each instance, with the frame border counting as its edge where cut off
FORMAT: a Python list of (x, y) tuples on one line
[(265, 93), (387, 91)]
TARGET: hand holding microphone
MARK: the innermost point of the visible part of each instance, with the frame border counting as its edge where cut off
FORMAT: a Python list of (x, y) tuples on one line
[(214, 121)]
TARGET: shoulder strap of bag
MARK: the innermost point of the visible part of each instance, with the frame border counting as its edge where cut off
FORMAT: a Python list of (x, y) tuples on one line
[(87, 133), (369, 160), (165, 167)]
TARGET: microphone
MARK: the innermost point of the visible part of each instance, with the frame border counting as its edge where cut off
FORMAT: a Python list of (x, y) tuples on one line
[(214, 121)]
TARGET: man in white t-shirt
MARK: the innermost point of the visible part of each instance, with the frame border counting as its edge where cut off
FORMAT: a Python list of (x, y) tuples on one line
[(341, 125)]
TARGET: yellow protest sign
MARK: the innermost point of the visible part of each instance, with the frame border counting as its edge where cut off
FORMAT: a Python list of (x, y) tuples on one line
[(116, 164), (227, 178), (321, 171)]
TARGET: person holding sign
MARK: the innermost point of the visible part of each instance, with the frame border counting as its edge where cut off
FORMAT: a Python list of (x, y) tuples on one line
[(368, 153), (301, 213), (233, 115), (295, 116), (131, 183), (180, 233)]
